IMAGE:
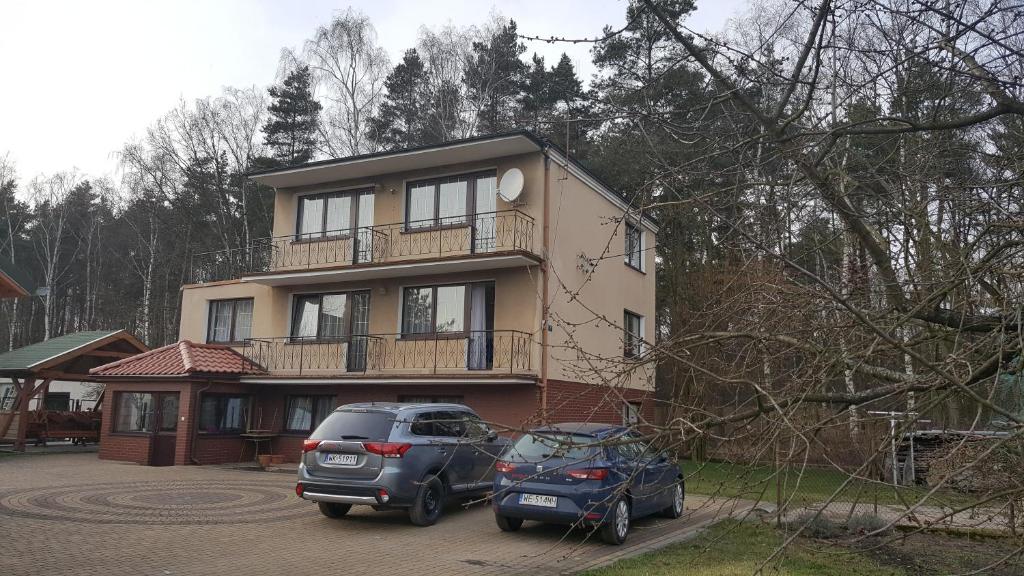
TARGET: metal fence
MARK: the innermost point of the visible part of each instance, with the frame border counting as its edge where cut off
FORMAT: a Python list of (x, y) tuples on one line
[(502, 231), (504, 351)]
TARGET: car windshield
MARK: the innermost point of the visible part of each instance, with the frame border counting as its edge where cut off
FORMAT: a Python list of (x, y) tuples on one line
[(355, 425), (546, 445)]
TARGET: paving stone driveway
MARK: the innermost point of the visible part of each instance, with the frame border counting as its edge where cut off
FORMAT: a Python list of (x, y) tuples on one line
[(75, 514)]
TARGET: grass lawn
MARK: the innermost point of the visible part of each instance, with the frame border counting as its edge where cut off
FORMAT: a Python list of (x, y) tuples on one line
[(733, 548), (814, 485)]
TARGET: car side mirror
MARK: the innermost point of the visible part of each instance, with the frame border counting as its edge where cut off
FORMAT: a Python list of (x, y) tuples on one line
[(492, 435)]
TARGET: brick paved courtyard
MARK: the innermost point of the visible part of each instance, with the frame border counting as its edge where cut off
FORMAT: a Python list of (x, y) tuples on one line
[(74, 514)]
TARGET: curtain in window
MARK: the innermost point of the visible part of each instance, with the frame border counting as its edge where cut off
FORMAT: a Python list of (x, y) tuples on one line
[(220, 329), (421, 206), (307, 310), (364, 234), (312, 219), (451, 309), (452, 204), (332, 316), (416, 308), (300, 413), (339, 215), (223, 414), (479, 337), (484, 233), (243, 320)]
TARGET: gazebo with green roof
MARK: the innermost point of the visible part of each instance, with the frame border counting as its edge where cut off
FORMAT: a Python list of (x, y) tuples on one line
[(69, 357)]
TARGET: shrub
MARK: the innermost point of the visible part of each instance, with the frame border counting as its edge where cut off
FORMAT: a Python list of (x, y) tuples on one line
[(866, 524), (816, 525)]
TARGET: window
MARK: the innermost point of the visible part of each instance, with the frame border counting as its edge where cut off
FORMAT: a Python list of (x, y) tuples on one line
[(630, 413), (634, 246), (133, 412), (330, 316), (230, 321), (434, 310), (305, 413), (442, 423), (333, 214), (632, 334), (448, 201), (221, 414)]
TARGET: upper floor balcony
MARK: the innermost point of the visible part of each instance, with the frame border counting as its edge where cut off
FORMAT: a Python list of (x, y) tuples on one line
[(497, 239), (475, 352)]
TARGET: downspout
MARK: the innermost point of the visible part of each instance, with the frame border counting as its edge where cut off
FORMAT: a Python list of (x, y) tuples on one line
[(194, 409), (545, 304)]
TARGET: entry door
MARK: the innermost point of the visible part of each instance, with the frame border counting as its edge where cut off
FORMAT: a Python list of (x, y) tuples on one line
[(165, 429)]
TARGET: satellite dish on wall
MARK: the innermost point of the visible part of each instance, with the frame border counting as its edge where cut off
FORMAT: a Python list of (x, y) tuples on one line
[(510, 187)]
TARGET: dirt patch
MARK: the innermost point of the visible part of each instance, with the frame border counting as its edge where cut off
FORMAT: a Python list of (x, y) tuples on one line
[(930, 554)]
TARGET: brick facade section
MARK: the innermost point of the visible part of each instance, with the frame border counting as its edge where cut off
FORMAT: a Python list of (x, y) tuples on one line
[(511, 407), (581, 402)]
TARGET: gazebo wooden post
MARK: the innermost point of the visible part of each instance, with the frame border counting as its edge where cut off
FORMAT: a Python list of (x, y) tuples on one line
[(28, 391), (23, 400)]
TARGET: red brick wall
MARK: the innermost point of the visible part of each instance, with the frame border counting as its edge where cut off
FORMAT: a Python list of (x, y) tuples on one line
[(580, 402), (135, 447)]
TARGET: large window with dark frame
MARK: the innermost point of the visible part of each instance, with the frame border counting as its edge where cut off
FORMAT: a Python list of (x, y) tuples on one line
[(453, 311), (330, 316), (634, 246), (632, 334), (333, 214), (223, 414), (453, 201), (230, 321), (133, 412), (304, 413)]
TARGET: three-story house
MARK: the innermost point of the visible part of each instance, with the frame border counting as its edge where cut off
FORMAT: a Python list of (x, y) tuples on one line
[(492, 271)]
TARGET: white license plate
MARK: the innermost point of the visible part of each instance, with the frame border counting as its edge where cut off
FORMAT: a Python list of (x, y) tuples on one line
[(538, 500), (343, 459)]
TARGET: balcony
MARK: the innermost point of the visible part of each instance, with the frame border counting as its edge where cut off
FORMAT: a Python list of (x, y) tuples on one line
[(476, 352), (505, 238)]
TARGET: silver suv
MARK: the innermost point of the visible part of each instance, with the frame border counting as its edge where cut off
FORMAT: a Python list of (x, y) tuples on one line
[(393, 455)]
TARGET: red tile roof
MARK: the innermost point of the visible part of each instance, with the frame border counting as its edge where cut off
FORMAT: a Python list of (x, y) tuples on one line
[(182, 359)]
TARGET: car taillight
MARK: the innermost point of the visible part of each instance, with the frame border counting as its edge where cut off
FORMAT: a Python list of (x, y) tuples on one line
[(310, 445), (588, 474), (504, 467), (299, 489), (387, 449)]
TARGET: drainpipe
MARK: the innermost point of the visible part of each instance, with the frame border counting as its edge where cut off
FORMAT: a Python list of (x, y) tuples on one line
[(194, 409), (545, 304)]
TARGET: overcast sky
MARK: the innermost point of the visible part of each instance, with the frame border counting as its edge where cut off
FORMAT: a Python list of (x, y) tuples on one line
[(80, 78)]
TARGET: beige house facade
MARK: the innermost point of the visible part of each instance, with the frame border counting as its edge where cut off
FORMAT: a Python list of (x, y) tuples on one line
[(493, 271)]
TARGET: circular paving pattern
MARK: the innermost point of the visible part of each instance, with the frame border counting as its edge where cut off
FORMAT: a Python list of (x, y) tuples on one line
[(180, 502)]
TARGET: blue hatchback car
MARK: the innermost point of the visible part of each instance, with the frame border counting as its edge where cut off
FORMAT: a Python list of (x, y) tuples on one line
[(585, 474)]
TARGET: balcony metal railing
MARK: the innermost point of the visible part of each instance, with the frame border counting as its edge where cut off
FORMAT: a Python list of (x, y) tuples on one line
[(502, 231), (496, 351)]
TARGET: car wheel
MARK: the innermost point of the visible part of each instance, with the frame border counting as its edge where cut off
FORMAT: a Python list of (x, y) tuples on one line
[(333, 510), (675, 510), (616, 528), (429, 503), (508, 524)]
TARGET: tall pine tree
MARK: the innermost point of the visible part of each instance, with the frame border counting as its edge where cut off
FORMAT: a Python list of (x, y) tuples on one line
[(494, 79), (290, 132), (399, 122)]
